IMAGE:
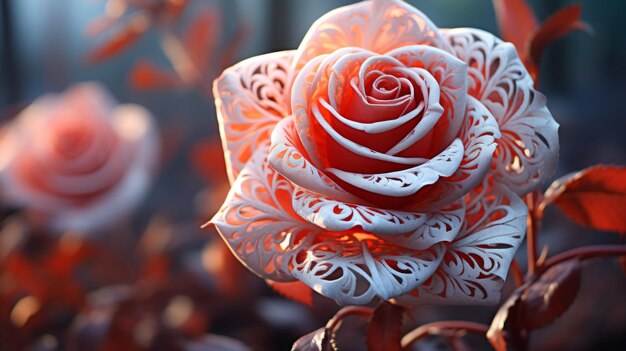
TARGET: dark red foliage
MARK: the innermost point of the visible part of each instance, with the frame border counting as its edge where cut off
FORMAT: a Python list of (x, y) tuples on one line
[(594, 197)]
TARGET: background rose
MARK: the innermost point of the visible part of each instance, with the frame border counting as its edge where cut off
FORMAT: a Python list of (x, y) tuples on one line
[(397, 157), (77, 159)]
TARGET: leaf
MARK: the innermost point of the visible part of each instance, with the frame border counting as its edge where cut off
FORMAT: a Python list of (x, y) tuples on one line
[(296, 291), (557, 26), (594, 197), (506, 320), (145, 75), (201, 37), (551, 295), (121, 40), (516, 21), (384, 332), (315, 341)]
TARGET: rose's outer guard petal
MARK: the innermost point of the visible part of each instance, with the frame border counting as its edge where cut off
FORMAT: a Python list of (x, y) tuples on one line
[(527, 153), (379, 26), (250, 98), (354, 270), (258, 222), (476, 264)]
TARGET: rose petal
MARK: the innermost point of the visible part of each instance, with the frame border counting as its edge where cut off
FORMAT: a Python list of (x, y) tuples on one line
[(258, 223), (527, 153), (250, 100), (477, 262), (354, 270), (287, 159), (378, 26), (451, 76), (480, 134), (339, 216), (260, 226), (409, 181)]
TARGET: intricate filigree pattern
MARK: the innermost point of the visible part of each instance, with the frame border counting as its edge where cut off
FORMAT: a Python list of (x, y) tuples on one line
[(250, 99), (479, 133), (258, 223), (409, 181), (528, 150), (293, 165), (339, 216), (477, 262), (397, 167), (379, 26), (354, 270)]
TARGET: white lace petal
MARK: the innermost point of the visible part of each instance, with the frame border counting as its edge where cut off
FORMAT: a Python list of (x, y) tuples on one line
[(477, 262), (339, 216), (480, 135), (410, 181), (256, 220), (258, 223), (527, 153), (293, 165), (250, 99), (379, 26), (353, 270), (442, 225)]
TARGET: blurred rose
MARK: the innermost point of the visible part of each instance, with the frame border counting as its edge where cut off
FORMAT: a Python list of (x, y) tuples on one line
[(78, 160), (383, 158)]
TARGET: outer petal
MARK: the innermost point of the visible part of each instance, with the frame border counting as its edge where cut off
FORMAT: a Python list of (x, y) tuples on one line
[(355, 270), (258, 223), (261, 228), (250, 99), (527, 153), (476, 263), (379, 26)]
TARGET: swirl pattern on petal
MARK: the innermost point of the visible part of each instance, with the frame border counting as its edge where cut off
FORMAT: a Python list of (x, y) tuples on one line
[(477, 262), (527, 153), (251, 98)]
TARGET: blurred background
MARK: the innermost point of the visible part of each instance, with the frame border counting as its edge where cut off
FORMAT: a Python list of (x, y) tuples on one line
[(156, 280)]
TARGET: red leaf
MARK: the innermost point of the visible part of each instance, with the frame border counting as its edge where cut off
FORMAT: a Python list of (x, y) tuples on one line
[(317, 340), (296, 291), (594, 197), (558, 25), (506, 320), (384, 332), (121, 40), (551, 295), (145, 75), (201, 37), (516, 21)]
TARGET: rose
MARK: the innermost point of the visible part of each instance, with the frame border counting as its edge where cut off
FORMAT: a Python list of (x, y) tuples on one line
[(77, 160), (383, 158)]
